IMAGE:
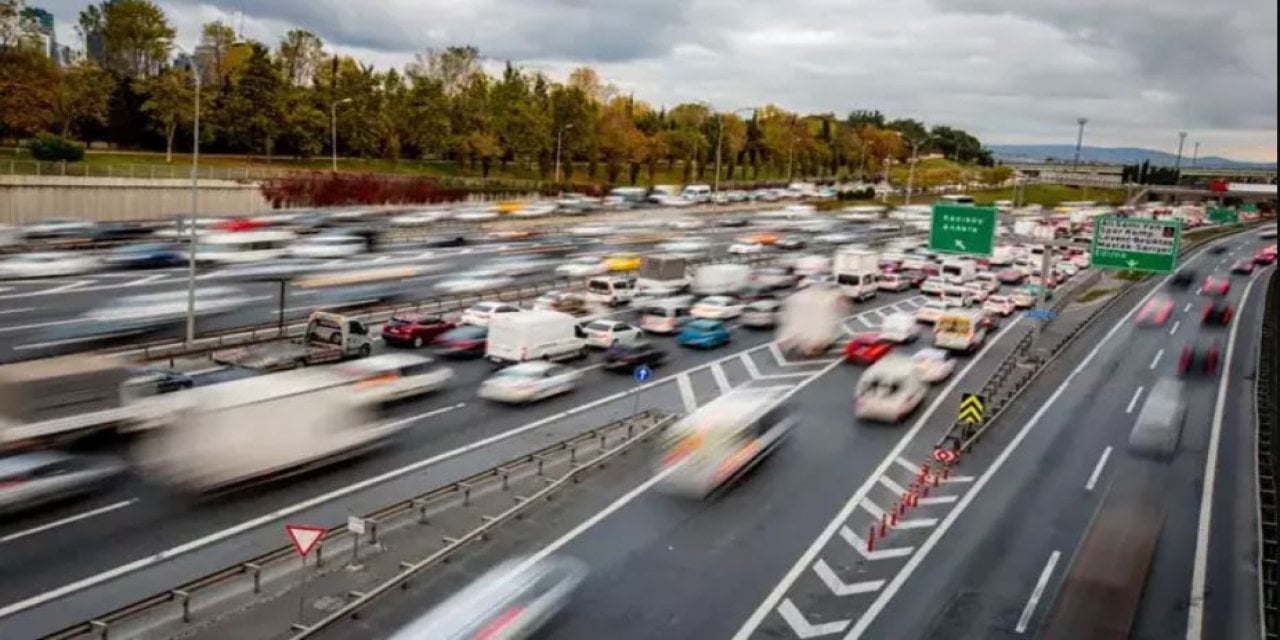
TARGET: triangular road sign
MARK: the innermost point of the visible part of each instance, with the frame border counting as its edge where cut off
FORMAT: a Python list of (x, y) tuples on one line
[(304, 537)]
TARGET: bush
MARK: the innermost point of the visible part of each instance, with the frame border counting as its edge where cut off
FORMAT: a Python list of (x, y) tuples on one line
[(52, 148)]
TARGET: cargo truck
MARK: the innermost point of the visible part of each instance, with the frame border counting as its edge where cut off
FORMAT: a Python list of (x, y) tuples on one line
[(330, 337), (45, 401), (663, 275), (810, 320)]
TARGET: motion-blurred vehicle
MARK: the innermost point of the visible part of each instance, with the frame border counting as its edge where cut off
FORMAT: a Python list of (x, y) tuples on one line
[(1011, 276), (47, 265), (529, 381), (1244, 267), (761, 314), (356, 287), (743, 248), (143, 313), (1266, 255), (892, 282), (56, 228), (395, 376), (1199, 358), (704, 334), (481, 313), (690, 247), (821, 279), (899, 328), (774, 277), (328, 245), (715, 445), (866, 348), (931, 310), (329, 337), (933, 365), (662, 275), (720, 279), (1214, 287), (120, 232), (933, 286), (685, 224), (146, 256), (717, 308), (733, 221), (33, 479), (582, 267), (605, 333), (889, 390), (562, 301), (533, 335), (1218, 249), (512, 601), (1002, 305), (146, 382), (42, 401), (1159, 425), (460, 342), (516, 266), (444, 240), (476, 280), (239, 247), (960, 330), (791, 242), (623, 262), (419, 218), (409, 329), (1155, 312), (1182, 278), (1216, 313), (626, 356)]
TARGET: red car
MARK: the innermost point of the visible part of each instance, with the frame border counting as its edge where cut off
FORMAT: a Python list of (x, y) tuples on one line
[(1244, 267), (931, 268), (866, 348), (1155, 312), (1011, 276), (414, 329), (1265, 256), (1214, 287), (240, 224), (1199, 359), (1217, 313)]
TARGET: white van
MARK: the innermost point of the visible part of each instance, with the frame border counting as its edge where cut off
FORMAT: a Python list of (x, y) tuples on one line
[(900, 328), (395, 376), (958, 271), (959, 331), (811, 265), (889, 390), (612, 291), (697, 193), (892, 282), (533, 335), (666, 316)]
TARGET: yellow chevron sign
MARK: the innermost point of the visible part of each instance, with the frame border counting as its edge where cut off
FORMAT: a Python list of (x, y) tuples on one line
[(972, 408)]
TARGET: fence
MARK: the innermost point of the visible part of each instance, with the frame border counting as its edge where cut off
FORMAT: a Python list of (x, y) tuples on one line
[(1268, 466)]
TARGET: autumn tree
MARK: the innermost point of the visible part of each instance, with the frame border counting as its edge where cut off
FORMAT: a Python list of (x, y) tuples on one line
[(83, 96), (28, 91), (136, 36), (216, 40), (170, 101)]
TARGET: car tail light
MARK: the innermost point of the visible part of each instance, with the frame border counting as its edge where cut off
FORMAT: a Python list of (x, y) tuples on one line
[(499, 624), (10, 484)]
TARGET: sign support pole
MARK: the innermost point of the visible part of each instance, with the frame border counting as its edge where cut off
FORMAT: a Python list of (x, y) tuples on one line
[(302, 594)]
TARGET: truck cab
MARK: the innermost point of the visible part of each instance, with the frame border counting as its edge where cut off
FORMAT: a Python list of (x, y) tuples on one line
[(611, 290), (959, 331)]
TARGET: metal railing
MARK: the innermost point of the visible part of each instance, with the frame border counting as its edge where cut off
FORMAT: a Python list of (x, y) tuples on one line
[(233, 588), (1268, 465)]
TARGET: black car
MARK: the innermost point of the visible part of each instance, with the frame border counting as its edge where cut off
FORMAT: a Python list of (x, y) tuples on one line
[(791, 243), (626, 357), (146, 256), (444, 241), (1183, 279), (1199, 358), (1218, 249), (1217, 313), (733, 221), (153, 382), (119, 231)]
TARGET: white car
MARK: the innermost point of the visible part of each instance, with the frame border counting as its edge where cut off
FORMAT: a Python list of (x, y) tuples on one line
[(745, 248), (583, 267), (823, 279), (604, 333), (838, 237), (591, 230), (933, 365), (930, 311), (481, 313), (669, 200), (774, 277), (899, 328), (395, 376), (1002, 305), (761, 314), (693, 247), (535, 210), (419, 218), (977, 292), (475, 282), (685, 223), (1068, 269), (529, 381), (328, 245), (480, 214), (933, 286), (717, 308), (48, 264), (57, 227)]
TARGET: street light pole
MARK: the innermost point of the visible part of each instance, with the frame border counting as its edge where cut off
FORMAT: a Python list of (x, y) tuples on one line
[(1182, 139), (1075, 163), (911, 170), (333, 130), (559, 143), (719, 144), (195, 202), (1195, 155)]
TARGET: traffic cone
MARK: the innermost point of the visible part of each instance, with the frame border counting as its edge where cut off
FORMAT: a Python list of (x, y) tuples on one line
[(871, 539)]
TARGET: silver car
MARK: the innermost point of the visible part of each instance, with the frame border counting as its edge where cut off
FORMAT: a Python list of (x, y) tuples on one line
[(1159, 424), (28, 480), (511, 601)]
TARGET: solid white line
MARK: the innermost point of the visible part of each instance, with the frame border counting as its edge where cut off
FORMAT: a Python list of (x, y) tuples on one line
[(1174, 328), (1199, 575), (872, 508), (1097, 469), (686, 393), (67, 287), (722, 380), (21, 310), (1156, 359), (141, 281), (905, 464), (750, 366), (1037, 592), (892, 486), (938, 500), (58, 523), (1133, 402)]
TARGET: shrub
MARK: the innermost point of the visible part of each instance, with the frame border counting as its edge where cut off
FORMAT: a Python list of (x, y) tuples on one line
[(53, 148)]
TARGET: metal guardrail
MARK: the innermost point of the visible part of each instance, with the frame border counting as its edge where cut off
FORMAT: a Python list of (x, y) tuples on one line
[(1268, 378), (204, 598)]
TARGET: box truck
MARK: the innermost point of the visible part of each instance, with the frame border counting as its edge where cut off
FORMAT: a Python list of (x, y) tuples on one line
[(720, 279), (534, 335), (855, 270)]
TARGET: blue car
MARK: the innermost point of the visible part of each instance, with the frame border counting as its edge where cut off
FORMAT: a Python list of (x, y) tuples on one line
[(147, 256), (704, 334)]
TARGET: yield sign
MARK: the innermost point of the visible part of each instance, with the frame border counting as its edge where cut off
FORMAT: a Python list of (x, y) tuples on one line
[(304, 537)]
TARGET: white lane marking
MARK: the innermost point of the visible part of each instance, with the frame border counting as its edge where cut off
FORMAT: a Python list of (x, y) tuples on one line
[(805, 629), (860, 545), (207, 370), (1174, 328), (872, 508), (879, 314), (957, 479), (917, 523), (19, 310), (797, 374), (864, 322), (69, 286), (436, 412), (938, 500), (142, 281), (1186, 308), (68, 520), (836, 526), (892, 486), (1041, 583), (1133, 402), (37, 325), (1199, 574), (722, 380), (1097, 469), (839, 587), (777, 354), (905, 464), (750, 366), (1156, 359), (686, 393)]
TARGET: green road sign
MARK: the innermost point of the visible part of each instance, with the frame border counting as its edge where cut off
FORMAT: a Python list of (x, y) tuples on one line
[(1223, 215), (962, 229), (1136, 244), (1249, 207)]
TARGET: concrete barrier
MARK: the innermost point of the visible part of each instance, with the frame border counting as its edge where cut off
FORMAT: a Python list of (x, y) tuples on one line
[(25, 199)]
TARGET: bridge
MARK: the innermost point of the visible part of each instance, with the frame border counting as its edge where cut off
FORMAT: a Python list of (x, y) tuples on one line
[(1037, 168)]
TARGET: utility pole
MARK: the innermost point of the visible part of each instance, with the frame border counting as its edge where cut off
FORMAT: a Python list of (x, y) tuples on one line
[(195, 201), (1075, 163), (1182, 138), (559, 144), (1195, 155), (333, 131)]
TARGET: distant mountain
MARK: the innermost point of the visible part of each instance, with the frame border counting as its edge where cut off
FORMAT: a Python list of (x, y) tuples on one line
[(1112, 155)]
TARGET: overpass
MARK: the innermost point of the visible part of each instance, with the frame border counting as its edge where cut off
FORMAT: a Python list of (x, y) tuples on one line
[(1037, 168)]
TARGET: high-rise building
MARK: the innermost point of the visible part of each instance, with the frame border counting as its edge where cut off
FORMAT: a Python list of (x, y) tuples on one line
[(41, 25)]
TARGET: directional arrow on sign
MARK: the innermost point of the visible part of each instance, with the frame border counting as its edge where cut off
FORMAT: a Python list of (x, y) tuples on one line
[(805, 629), (960, 245), (1132, 263), (972, 408)]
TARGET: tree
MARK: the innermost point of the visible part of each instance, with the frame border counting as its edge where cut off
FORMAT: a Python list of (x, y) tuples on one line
[(136, 36), (301, 55), (84, 96), (28, 91), (452, 67), (216, 39), (170, 100), (859, 118), (11, 27), (251, 114)]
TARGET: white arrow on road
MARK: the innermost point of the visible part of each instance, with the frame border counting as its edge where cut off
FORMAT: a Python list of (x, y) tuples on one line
[(960, 245), (805, 629), (860, 546), (840, 587)]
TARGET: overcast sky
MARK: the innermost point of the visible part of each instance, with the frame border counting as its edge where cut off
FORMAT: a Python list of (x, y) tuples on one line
[(1010, 71)]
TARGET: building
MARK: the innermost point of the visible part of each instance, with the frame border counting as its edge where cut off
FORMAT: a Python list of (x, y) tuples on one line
[(40, 25)]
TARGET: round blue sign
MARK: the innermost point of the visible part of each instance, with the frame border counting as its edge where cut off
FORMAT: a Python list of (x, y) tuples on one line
[(643, 373)]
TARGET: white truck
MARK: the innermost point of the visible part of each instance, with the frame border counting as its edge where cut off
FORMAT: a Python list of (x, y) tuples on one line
[(534, 335), (855, 270), (810, 321), (45, 401), (959, 330), (235, 433), (959, 271), (663, 275), (330, 337), (720, 279)]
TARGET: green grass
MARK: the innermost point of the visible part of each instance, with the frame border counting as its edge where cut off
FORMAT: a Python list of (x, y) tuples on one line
[(1052, 195), (1094, 294)]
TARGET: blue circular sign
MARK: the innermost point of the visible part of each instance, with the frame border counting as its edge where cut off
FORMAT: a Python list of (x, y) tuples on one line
[(643, 373)]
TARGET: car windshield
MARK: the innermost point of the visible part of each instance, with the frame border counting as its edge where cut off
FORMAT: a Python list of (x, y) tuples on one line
[(466, 333), (704, 325), (600, 325)]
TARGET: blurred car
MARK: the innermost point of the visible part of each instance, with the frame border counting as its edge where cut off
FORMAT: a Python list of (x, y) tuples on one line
[(931, 310), (743, 248), (717, 308), (146, 256), (774, 277), (147, 382), (605, 333), (562, 301), (1159, 424), (58, 228), (703, 334), (685, 223), (522, 265), (1182, 279), (328, 245), (47, 264), (914, 277), (444, 241), (1266, 255), (1214, 287), (394, 376), (1218, 249), (481, 313), (791, 243), (733, 221), (722, 440), (419, 218), (464, 341), (1244, 267), (1199, 358), (866, 348), (1002, 305), (120, 232), (1217, 313), (820, 279), (628, 356), (623, 262), (899, 328), (1011, 276), (414, 329), (29, 480), (1155, 312), (933, 365), (761, 314), (478, 280), (838, 237), (512, 601), (582, 267), (529, 381)]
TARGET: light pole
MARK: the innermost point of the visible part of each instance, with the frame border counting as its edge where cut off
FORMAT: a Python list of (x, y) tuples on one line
[(192, 236), (559, 144), (1195, 155), (333, 130), (911, 170), (1182, 139), (1075, 163)]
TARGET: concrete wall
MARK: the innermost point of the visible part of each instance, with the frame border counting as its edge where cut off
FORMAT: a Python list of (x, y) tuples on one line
[(26, 199)]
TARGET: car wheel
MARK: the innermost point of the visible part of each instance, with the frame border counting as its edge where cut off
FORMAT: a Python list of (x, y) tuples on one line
[(417, 342), (365, 350)]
